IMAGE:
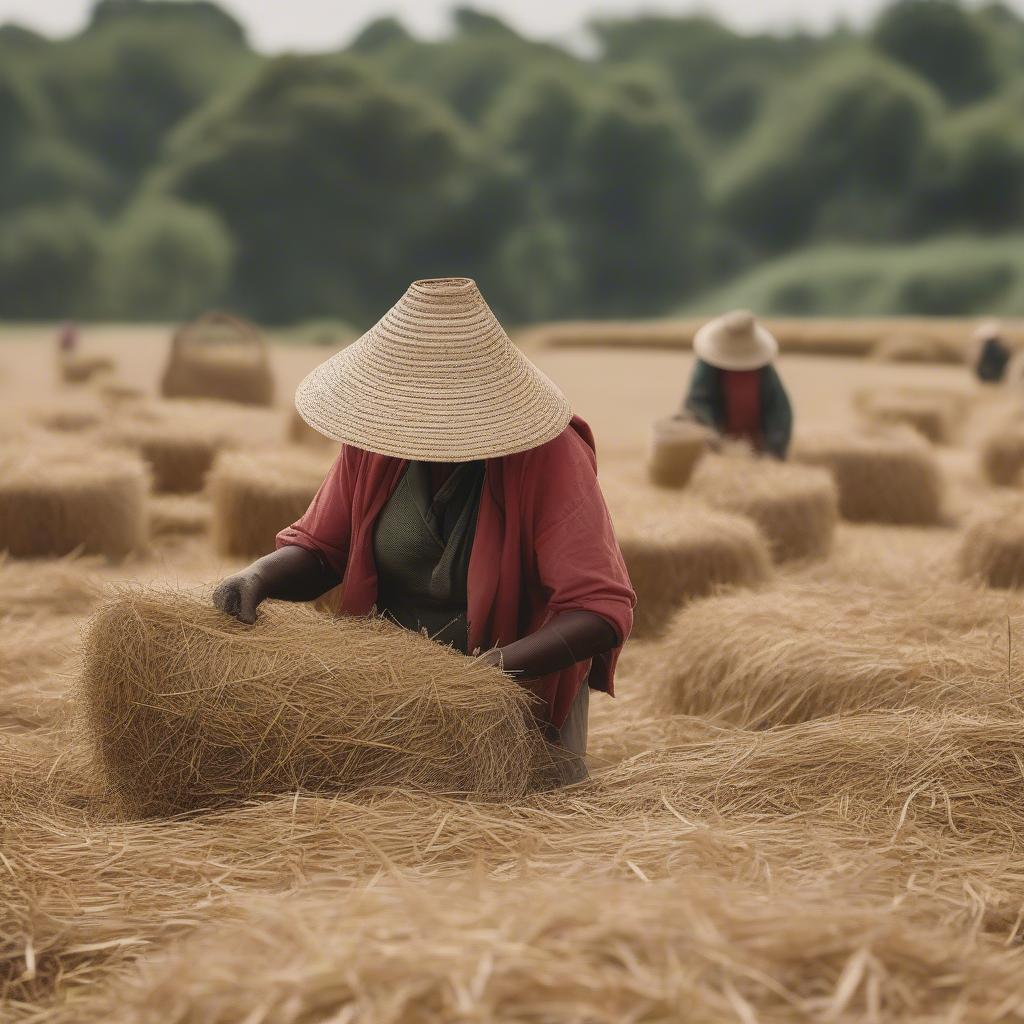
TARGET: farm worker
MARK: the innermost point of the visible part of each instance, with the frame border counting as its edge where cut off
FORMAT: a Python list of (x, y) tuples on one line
[(464, 503), (990, 353), (67, 337), (735, 388)]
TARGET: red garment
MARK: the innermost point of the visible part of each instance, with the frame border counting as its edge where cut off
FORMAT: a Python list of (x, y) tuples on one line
[(544, 544), (742, 393)]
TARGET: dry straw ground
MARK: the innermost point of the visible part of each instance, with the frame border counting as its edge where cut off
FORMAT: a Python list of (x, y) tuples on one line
[(806, 803)]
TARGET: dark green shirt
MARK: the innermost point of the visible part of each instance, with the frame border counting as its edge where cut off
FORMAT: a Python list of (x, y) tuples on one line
[(422, 543)]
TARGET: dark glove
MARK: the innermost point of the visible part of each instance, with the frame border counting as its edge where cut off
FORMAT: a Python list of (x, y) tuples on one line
[(289, 574), (566, 639)]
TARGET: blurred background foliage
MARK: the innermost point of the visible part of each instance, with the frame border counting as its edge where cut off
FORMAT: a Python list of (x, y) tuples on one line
[(155, 164)]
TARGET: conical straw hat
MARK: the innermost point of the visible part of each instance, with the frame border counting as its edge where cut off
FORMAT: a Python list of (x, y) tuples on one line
[(735, 341), (437, 379)]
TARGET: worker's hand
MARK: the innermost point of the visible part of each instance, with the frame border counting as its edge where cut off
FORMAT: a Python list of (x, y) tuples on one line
[(240, 595)]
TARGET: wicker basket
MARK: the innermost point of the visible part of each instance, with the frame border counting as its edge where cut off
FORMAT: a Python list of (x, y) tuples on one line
[(219, 356)]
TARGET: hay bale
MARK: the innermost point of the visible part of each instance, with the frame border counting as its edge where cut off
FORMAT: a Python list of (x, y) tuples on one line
[(937, 415), (116, 392), (806, 650), (1002, 455), (256, 495), (916, 348), (795, 507), (178, 515), (300, 432), (56, 500), (189, 708), (65, 586), (69, 415), (222, 357), (882, 477), (992, 549), (673, 559), (78, 368), (677, 445)]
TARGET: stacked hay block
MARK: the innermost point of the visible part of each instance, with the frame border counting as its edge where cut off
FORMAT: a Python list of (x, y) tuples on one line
[(882, 477), (674, 557), (220, 357), (189, 708), (178, 515), (795, 507), (78, 368), (69, 415), (1002, 454), (677, 445), (55, 500), (255, 495), (935, 414), (992, 548)]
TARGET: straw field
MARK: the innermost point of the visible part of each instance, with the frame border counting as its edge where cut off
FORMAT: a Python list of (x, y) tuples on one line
[(805, 798)]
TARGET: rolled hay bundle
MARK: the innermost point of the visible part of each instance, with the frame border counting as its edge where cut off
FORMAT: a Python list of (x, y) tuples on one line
[(992, 549), (795, 507), (674, 558), (188, 708), (79, 368), (179, 515), (936, 414), (677, 446), (803, 650), (256, 495), (535, 949), (300, 432), (55, 500), (219, 356), (890, 477), (916, 348), (1002, 454)]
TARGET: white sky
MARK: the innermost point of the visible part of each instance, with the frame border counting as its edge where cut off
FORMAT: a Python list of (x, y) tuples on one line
[(325, 24)]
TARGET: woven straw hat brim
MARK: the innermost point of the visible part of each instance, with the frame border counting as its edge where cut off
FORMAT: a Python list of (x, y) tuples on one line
[(725, 351), (437, 379)]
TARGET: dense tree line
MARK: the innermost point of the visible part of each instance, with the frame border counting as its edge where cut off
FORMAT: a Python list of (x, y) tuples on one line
[(155, 164)]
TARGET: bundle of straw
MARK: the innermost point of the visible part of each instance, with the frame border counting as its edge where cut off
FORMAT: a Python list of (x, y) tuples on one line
[(1002, 454), (189, 708), (219, 356), (795, 507), (542, 950), (256, 495), (882, 477), (992, 549), (677, 446), (178, 515), (935, 414), (58, 499), (690, 553), (65, 586), (69, 415), (78, 368), (803, 650)]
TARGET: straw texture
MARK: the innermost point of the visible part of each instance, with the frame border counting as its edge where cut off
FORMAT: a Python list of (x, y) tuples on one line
[(189, 708), (935, 414), (56, 500), (255, 496), (795, 507), (677, 446), (1002, 455), (436, 379), (885, 478)]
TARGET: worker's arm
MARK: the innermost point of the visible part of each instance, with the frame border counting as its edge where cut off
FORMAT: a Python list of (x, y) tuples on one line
[(289, 574)]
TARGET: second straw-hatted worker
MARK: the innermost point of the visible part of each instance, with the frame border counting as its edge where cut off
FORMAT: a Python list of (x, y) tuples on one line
[(735, 388)]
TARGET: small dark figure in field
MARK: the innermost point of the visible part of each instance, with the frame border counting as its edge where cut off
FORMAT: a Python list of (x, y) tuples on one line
[(67, 337), (735, 388), (991, 353), (464, 503)]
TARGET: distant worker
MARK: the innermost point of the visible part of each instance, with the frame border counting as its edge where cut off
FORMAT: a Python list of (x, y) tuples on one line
[(735, 388), (464, 503), (67, 337), (990, 353)]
